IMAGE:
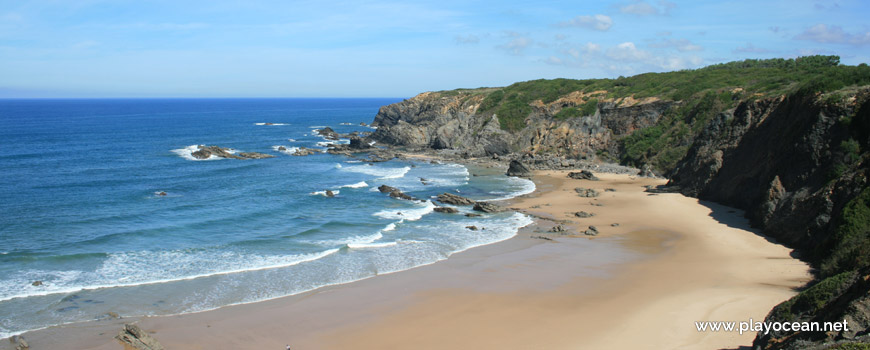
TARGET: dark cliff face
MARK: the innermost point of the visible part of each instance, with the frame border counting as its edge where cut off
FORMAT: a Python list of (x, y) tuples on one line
[(775, 158), (433, 120), (788, 162)]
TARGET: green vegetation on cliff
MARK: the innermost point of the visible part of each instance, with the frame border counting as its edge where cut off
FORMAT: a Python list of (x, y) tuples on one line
[(701, 93)]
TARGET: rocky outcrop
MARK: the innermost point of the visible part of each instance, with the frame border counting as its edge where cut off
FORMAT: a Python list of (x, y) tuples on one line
[(134, 337), (516, 168), (438, 120), (446, 210), (487, 207), (583, 175), (206, 152), (255, 155), (305, 151), (395, 192), (328, 134), (449, 198)]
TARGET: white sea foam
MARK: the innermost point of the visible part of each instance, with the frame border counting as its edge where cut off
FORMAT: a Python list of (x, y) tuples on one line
[(271, 124), (187, 153), (390, 227), (410, 214), (370, 245), (380, 172), (291, 140), (360, 184), (526, 186), (287, 150), (323, 193), (151, 268)]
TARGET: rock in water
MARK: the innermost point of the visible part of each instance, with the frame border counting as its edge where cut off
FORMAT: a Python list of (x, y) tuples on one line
[(255, 155), (487, 207), (449, 198), (135, 337), (517, 168), (473, 228), (330, 194), (583, 175), (328, 134), (387, 189), (446, 210)]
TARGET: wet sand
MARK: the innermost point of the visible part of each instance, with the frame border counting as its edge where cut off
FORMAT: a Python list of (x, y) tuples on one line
[(671, 261)]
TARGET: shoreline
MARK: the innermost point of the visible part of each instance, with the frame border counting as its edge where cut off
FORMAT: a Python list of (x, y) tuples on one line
[(368, 312)]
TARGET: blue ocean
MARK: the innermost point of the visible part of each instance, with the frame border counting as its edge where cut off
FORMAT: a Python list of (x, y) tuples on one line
[(82, 213)]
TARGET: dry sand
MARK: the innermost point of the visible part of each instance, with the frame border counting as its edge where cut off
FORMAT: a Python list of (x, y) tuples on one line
[(641, 285)]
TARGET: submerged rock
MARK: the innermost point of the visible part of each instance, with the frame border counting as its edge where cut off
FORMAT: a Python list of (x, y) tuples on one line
[(517, 168), (255, 155), (449, 198), (305, 151), (205, 152), (330, 194), (136, 338)]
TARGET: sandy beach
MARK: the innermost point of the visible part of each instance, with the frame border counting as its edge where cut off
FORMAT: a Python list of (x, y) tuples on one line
[(641, 284)]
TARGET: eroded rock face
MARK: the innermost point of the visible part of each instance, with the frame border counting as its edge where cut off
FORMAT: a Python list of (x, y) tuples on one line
[(441, 121)]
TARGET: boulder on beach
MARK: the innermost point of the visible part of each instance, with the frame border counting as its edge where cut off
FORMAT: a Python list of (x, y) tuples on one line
[(582, 175), (517, 168), (583, 214), (592, 231), (487, 207), (449, 198), (134, 337), (586, 192)]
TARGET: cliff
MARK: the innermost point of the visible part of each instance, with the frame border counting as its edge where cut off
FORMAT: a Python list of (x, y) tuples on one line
[(440, 120), (785, 140)]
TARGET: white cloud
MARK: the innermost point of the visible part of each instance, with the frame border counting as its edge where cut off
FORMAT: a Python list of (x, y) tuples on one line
[(596, 22), (627, 51), (643, 8), (517, 45), (822, 33), (682, 45), (466, 39), (591, 48)]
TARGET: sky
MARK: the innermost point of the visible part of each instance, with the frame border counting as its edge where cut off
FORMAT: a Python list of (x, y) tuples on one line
[(258, 48)]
